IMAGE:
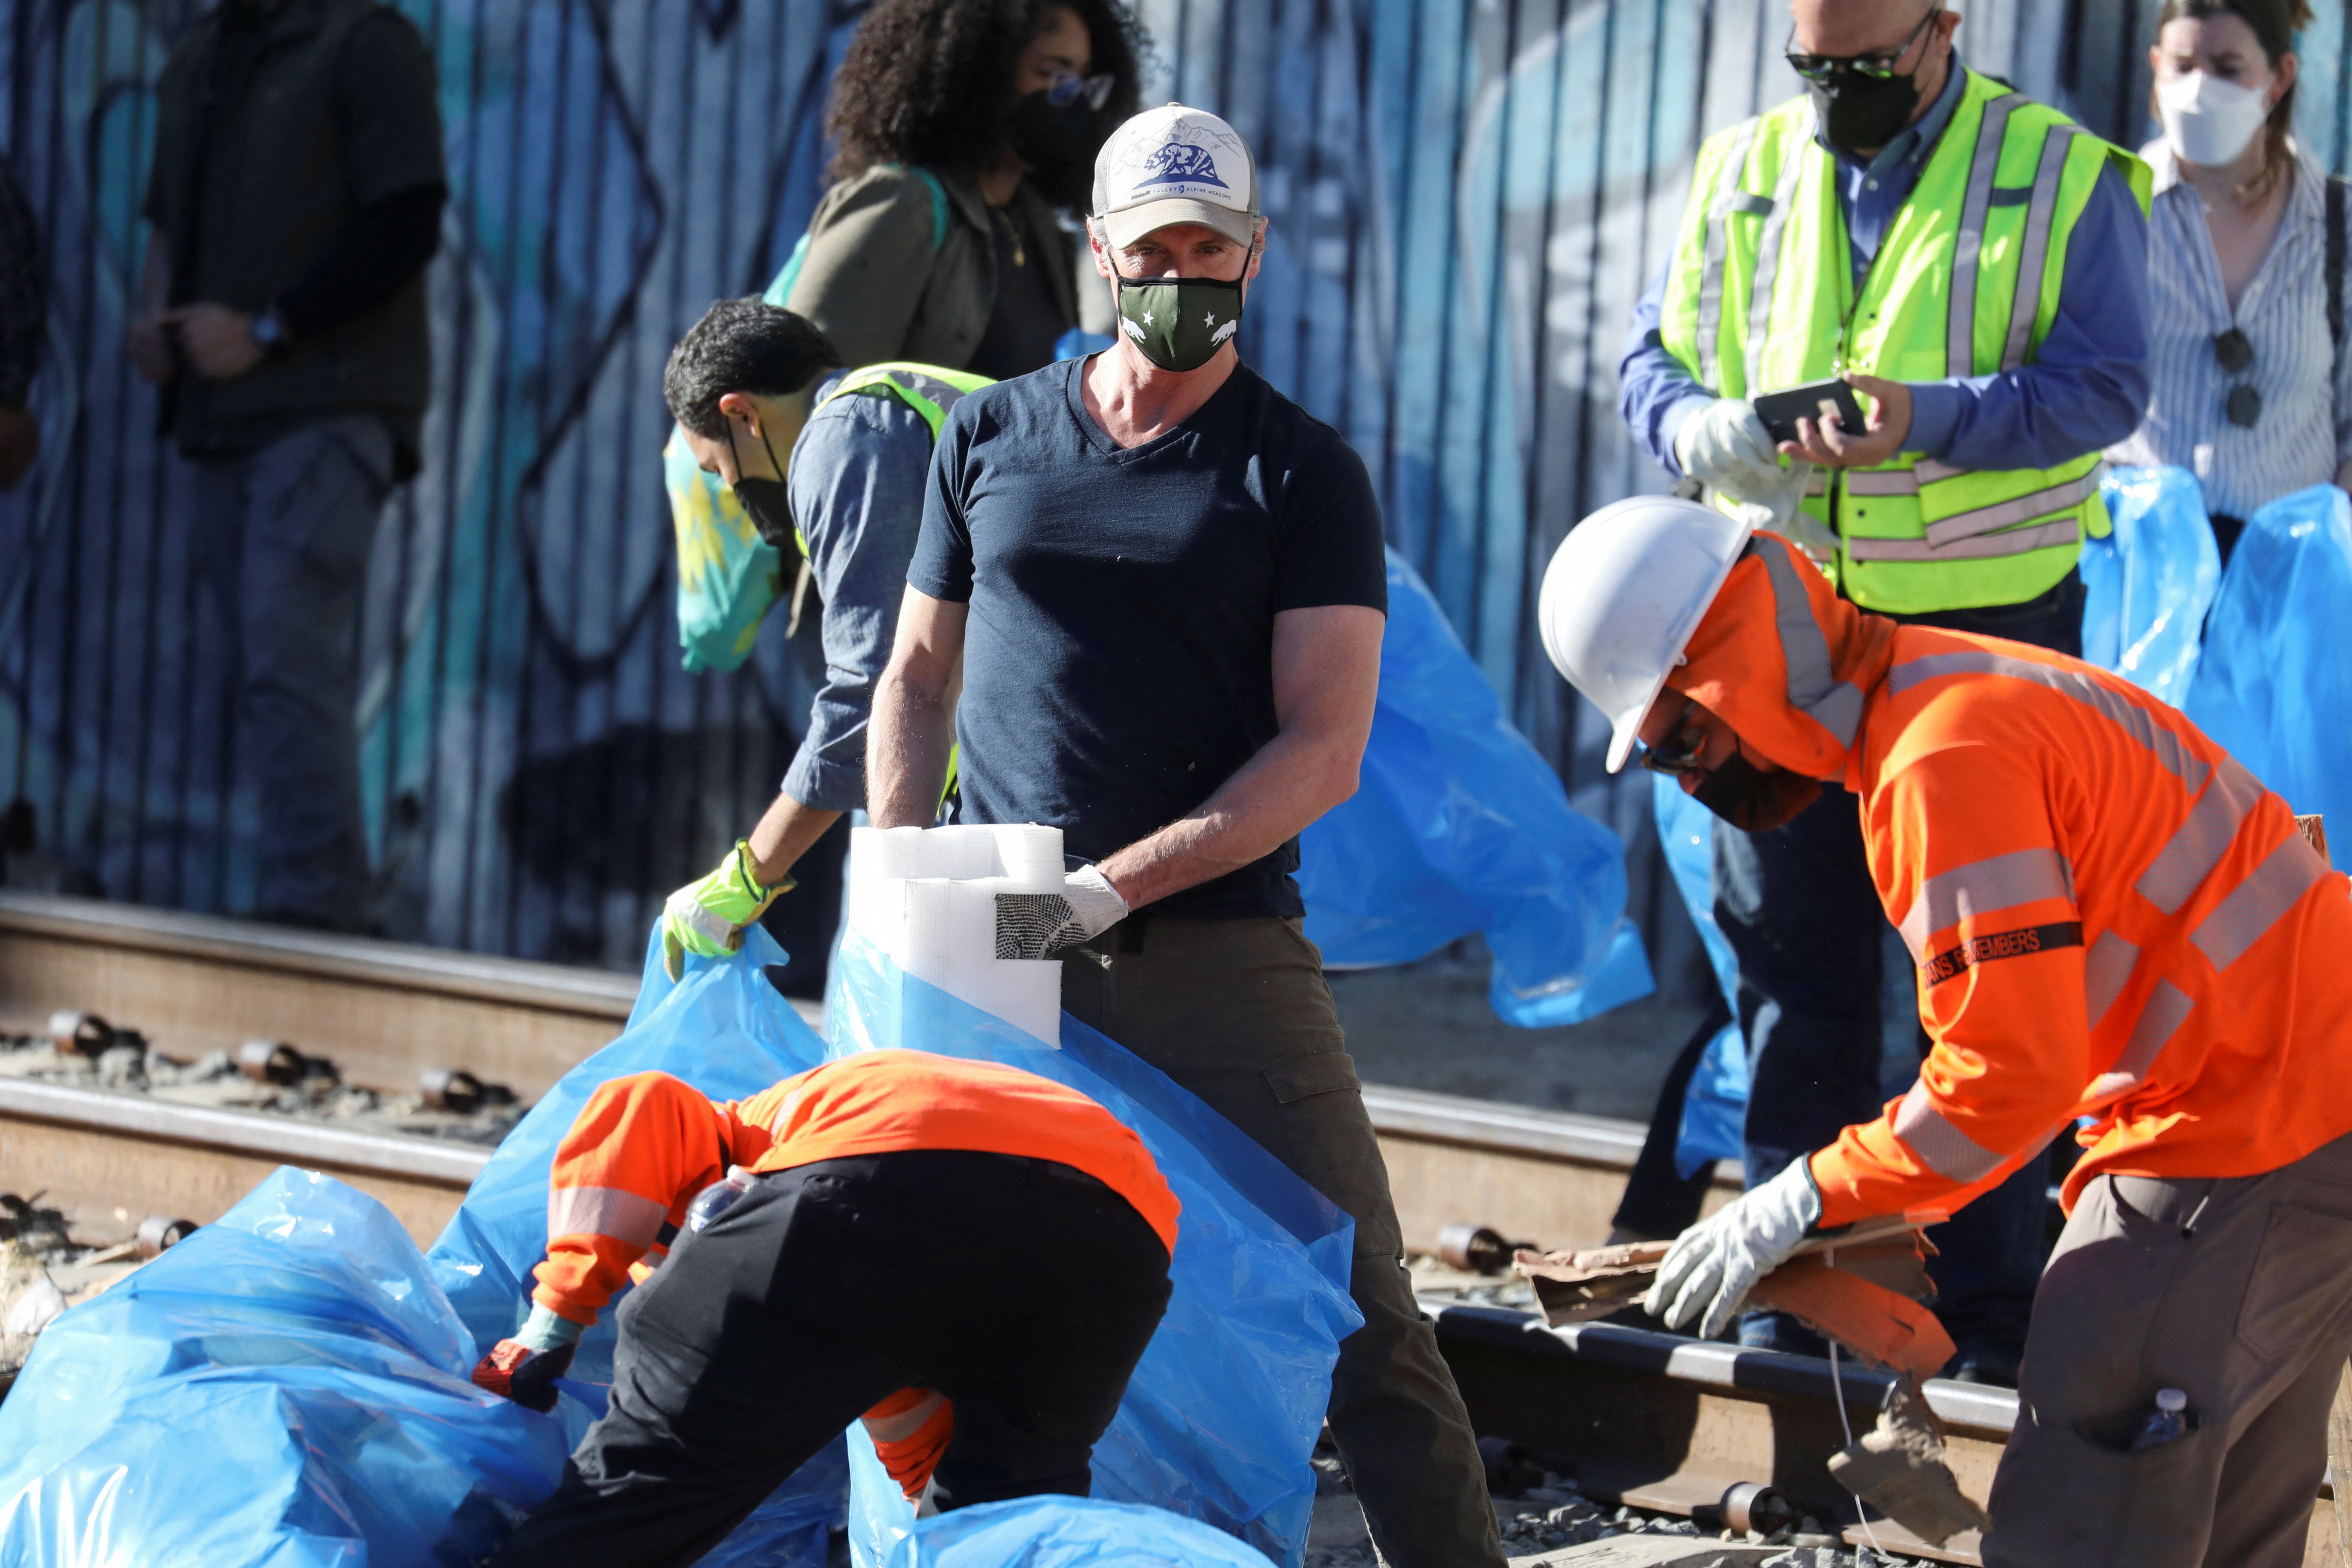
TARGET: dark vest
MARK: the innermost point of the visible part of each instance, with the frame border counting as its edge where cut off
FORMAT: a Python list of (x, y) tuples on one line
[(251, 195)]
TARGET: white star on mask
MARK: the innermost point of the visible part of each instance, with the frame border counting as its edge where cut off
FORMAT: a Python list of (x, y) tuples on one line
[(1210, 319), (1147, 318)]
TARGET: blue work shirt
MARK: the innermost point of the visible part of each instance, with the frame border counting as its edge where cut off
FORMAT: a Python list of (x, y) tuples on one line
[(2086, 387), (856, 483)]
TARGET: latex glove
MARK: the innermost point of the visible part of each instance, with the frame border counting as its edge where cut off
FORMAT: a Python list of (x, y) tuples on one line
[(706, 918), (1778, 506), (1047, 925), (1726, 448), (1716, 1262), (525, 1367)]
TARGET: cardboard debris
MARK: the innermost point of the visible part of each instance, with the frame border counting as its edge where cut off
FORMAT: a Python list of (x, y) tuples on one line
[(1857, 1287), (1576, 1287), (1879, 1321), (1898, 1469)]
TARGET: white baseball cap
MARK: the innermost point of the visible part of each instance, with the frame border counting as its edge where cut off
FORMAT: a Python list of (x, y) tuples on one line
[(1171, 165)]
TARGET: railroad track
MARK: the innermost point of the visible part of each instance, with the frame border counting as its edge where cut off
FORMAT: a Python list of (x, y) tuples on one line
[(384, 1012), (1647, 1419), (1668, 1423)]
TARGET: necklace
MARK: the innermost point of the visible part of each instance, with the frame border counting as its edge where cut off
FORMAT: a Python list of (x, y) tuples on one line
[(1013, 233)]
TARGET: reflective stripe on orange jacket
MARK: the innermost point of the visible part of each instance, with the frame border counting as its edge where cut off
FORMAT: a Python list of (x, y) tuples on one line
[(2111, 917), (645, 1145)]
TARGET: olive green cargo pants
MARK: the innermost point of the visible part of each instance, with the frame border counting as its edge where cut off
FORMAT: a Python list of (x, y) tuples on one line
[(1238, 1013), (2236, 1290)]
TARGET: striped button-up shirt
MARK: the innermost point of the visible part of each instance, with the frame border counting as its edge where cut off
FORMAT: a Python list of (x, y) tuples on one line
[(2304, 431)]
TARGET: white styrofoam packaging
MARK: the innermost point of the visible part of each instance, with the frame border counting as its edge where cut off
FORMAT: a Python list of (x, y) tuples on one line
[(927, 895)]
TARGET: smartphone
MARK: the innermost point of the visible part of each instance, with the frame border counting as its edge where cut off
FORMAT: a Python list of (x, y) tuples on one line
[(1780, 411)]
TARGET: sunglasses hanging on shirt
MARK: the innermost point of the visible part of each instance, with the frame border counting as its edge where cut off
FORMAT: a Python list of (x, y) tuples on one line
[(2235, 352)]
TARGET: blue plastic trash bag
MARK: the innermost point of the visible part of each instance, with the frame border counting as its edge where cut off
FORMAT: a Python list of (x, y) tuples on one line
[(286, 1387), (1714, 1106), (728, 1032), (1067, 1533), (2148, 583), (1220, 1417), (2274, 686), (1459, 826)]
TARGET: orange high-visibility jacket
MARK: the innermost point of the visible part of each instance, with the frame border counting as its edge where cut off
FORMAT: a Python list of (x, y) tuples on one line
[(645, 1145), (2112, 918)]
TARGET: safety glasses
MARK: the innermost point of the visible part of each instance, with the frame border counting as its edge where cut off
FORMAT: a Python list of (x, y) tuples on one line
[(1069, 87), (1879, 63), (1678, 753), (2235, 352)]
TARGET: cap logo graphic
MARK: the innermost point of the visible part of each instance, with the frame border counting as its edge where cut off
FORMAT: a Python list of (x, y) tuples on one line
[(1179, 164)]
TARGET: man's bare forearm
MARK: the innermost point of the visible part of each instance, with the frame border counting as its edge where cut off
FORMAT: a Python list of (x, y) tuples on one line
[(907, 745), (1293, 779), (784, 835)]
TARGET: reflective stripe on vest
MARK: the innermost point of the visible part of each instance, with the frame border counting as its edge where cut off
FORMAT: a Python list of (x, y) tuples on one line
[(2222, 797), (927, 389), (1994, 203)]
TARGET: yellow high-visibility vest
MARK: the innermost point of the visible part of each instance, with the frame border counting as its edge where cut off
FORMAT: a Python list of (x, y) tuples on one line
[(1966, 283)]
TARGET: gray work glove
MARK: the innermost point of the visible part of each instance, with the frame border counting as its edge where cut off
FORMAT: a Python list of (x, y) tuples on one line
[(1047, 925), (1717, 1261)]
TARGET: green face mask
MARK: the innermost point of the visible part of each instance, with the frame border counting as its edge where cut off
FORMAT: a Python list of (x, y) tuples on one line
[(1180, 323)]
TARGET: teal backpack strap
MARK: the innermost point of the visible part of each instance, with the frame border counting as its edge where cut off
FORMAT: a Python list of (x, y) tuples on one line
[(939, 209)]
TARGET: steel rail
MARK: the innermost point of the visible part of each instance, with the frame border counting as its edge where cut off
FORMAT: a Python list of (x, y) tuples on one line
[(1666, 1423), (109, 1160), (384, 1012)]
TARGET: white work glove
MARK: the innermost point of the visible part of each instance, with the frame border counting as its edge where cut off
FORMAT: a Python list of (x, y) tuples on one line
[(1716, 1262), (1726, 448), (1047, 925)]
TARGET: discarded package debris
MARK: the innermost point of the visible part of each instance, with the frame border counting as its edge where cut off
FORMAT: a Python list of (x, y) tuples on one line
[(275, 1061), (1478, 1248), (1898, 1469), (1860, 1288), (158, 1233)]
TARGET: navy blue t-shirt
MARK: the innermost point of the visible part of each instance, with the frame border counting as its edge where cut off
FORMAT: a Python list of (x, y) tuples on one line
[(1118, 657)]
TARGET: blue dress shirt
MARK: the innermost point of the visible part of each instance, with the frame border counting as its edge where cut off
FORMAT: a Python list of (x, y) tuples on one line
[(855, 483), (2086, 388)]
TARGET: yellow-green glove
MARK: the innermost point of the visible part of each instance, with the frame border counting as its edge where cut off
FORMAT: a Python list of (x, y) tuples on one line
[(706, 918)]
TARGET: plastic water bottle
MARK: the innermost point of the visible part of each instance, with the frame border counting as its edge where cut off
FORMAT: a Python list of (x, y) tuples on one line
[(2167, 1423), (717, 1197)]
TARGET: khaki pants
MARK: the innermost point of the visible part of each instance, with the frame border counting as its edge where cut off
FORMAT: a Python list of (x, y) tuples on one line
[(2238, 1291), (1238, 1013)]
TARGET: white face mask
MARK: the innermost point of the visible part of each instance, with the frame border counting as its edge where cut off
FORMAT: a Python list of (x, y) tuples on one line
[(2208, 121)]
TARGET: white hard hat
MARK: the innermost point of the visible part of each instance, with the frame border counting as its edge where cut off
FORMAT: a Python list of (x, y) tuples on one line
[(1623, 593)]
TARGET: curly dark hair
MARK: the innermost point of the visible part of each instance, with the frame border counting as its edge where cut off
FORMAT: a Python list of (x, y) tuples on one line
[(929, 82), (741, 345)]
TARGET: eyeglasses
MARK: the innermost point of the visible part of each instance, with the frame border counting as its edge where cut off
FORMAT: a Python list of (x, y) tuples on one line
[(1880, 63), (1067, 87), (1678, 753), (2235, 352)]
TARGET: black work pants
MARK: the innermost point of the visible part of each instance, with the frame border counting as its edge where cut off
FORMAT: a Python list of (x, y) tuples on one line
[(1024, 1291), (1237, 1012)]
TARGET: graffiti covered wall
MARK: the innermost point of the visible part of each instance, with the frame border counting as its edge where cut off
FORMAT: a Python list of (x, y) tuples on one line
[(1466, 196)]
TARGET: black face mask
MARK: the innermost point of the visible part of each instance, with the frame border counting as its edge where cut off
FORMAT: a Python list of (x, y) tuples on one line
[(764, 501), (1751, 800), (1861, 112), (1058, 141)]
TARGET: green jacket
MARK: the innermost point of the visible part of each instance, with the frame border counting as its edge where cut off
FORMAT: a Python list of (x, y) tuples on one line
[(885, 278)]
